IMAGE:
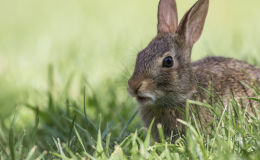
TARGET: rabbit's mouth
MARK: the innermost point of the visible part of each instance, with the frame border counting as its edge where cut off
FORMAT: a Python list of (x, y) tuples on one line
[(143, 100)]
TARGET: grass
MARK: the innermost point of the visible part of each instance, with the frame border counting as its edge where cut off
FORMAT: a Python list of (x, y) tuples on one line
[(52, 55), (235, 134)]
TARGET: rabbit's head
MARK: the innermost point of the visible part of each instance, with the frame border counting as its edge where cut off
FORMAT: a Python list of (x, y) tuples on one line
[(163, 73)]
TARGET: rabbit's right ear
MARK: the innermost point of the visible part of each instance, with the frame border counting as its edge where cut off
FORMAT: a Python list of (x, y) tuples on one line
[(192, 23), (167, 17)]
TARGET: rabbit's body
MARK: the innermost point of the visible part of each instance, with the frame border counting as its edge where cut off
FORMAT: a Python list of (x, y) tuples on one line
[(223, 74), (164, 77)]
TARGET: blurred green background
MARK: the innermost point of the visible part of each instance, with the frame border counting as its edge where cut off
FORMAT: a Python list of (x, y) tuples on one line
[(96, 41)]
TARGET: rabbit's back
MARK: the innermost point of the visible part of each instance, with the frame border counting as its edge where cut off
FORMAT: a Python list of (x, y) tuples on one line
[(219, 65), (222, 75)]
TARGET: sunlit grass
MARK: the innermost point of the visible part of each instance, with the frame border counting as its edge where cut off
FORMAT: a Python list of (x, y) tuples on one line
[(234, 134)]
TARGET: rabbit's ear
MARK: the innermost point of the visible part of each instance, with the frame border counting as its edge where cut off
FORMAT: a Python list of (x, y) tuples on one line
[(167, 16), (192, 23)]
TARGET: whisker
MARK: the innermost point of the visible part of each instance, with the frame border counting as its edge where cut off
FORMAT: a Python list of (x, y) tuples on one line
[(128, 42), (124, 103), (118, 68), (123, 65), (129, 56), (124, 78), (122, 82), (138, 34), (135, 53)]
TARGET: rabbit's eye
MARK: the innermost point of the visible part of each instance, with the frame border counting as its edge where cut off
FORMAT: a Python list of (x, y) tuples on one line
[(168, 62)]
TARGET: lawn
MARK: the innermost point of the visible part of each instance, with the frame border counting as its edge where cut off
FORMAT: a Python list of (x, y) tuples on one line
[(53, 54)]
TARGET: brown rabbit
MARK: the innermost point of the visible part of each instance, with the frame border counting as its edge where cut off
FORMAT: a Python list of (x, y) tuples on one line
[(164, 76)]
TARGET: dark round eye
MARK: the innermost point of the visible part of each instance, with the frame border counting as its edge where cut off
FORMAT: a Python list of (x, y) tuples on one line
[(168, 62)]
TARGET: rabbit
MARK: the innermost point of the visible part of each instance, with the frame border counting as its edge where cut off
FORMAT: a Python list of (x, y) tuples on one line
[(164, 76)]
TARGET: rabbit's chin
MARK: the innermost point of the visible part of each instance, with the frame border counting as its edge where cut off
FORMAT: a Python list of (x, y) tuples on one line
[(162, 99)]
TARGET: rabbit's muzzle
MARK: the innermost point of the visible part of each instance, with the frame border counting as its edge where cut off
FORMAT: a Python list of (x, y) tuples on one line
[(141, 92)]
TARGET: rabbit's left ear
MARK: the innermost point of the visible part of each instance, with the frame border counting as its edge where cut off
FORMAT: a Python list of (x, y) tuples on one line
[(191, 25), (167, 17)]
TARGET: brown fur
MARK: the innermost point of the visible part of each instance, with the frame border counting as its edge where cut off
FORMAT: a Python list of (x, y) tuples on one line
[(170, 87)]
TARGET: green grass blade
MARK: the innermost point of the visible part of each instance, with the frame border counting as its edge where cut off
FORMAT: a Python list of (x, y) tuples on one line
[(80, 157), (84, 105), (60, 148), (56, 143), (99, 146), (1, 132), (87, 117), (70, 153), (197, 137), (107, 144), (207, 93), (161, 134), (71, 128), (251, 87), (31, 153), (50, 85), (221, 119), (252, 98), (119, 116), (88, 155), (83, 129), (154, 154), (195, 122), (127, 125), (167, 152), (187, 111), (41, 155), (51, 147), (118, 154), (79, 138), (17, 143), (255, 110), (216, 132), (148, 135), (94, 96), (126, 141), (11, 135), (32, 142), (174, 147), (11, 143), (58, 155), (197, 113), (134, 149), (3, 149), (244, 114), (109, 126), (205, 105)]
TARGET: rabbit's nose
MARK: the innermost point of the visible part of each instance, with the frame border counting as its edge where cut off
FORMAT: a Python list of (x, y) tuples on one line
[(133, 88)]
